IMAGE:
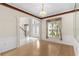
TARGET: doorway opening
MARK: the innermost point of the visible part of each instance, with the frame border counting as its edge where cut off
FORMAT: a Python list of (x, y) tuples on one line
[(28, 30)]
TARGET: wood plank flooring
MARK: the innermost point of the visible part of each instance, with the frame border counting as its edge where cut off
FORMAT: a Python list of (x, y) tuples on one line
[(41, 48)]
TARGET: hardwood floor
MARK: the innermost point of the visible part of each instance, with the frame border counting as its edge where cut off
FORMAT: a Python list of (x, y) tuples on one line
[(41, 48)]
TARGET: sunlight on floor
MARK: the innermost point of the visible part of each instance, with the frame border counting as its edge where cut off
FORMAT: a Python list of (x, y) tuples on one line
[(29, 39), (38, 44)]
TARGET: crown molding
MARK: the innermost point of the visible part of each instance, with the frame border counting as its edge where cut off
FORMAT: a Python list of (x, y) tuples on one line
[(17, 9), (20, 10), (66, 12)]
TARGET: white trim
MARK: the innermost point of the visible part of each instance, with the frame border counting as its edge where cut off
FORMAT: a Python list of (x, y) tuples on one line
[(59, 41)]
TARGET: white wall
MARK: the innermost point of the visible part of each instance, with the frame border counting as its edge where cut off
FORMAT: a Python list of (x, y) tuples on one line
[(77, 26), (67, 26), (76, 22), (8, 31)]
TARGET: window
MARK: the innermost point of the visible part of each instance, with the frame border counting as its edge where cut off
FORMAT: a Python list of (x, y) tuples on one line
[(54, 29)]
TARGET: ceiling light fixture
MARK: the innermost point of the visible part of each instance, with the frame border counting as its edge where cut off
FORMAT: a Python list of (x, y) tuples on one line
[(43, 12)]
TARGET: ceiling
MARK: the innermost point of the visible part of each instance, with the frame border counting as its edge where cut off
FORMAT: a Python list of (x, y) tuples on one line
[(50, 8)]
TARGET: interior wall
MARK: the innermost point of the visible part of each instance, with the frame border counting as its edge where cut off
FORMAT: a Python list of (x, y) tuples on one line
[(77, 26), (8, 27), (67, 26), (76, 32)]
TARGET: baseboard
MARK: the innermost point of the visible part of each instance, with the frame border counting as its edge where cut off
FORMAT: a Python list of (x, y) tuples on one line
[(7, 43), (6, 51), (59, 41)]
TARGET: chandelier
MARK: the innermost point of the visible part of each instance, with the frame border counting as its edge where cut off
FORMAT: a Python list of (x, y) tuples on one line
[(43, 12)]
